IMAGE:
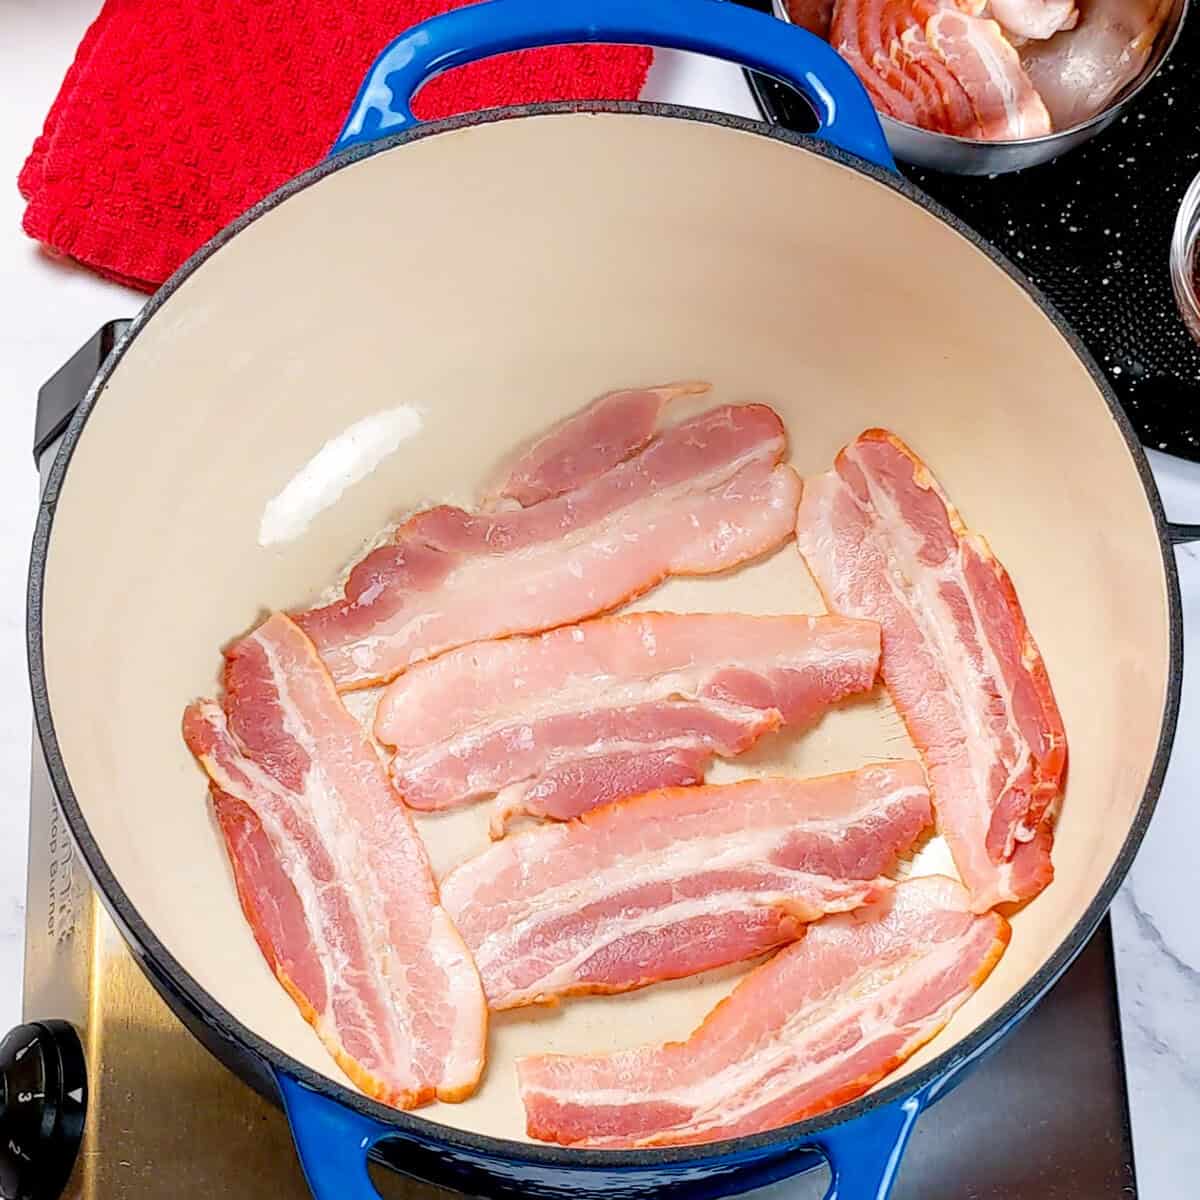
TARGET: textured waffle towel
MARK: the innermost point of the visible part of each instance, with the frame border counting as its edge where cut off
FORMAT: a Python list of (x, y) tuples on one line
[(177, 115)]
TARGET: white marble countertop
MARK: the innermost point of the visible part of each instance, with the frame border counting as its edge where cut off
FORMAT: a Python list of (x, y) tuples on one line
[(48, 309)]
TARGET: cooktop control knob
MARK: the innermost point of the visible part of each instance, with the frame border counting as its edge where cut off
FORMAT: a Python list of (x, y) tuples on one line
[(43, 1099)]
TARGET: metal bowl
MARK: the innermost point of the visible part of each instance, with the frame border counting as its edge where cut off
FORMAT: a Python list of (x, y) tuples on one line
[(972, 156), (1184, 264)]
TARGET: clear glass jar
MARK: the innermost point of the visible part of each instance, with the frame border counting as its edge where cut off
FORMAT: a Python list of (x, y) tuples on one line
[(1185, 263)]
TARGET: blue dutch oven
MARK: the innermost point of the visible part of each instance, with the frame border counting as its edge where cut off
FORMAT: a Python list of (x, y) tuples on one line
[(492, 271)]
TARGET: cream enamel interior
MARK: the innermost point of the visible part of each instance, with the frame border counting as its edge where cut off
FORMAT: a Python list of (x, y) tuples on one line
[(494, 278)]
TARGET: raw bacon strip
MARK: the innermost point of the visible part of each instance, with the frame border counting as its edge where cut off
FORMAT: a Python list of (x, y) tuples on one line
[(959, 111), (976, 52), (815, 1027), (587, 444), (679, 881), (939, 65), (333, 878), (574, 718), (906, 28), (885, 543), (884, 40), (701, 497), (856, 34)]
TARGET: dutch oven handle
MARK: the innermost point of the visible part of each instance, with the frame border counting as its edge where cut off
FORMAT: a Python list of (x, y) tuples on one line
[(333, 1143), (713, 27)]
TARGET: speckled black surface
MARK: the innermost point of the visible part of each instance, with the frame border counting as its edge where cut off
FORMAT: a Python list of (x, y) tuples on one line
[(1093, 231)]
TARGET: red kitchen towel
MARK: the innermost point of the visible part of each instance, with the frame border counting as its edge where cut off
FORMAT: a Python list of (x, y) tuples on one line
[(177, 115)]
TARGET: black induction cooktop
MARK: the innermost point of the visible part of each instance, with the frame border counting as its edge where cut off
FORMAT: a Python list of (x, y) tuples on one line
[(1093, 230)]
